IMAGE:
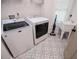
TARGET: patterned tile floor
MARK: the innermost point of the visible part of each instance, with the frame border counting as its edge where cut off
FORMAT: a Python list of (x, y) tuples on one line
[(51, 48)]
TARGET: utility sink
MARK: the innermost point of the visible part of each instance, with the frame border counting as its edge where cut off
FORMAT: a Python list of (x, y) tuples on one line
[(65, 29), (69, 24)]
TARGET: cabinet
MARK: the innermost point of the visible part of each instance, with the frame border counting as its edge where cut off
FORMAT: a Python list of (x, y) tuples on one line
[(71, 49), (19, 40)]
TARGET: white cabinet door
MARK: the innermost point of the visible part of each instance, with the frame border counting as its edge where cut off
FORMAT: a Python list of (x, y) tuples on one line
[(19, 40), (71, 49)]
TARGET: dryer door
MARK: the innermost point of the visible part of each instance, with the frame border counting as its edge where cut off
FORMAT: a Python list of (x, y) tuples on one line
[(41, 29)]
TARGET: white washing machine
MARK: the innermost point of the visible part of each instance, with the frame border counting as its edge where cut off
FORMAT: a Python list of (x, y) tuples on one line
[(39, 27), (17, 35)]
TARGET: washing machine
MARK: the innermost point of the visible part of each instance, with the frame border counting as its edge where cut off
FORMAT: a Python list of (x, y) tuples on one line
[(39, 28), (17, 35)]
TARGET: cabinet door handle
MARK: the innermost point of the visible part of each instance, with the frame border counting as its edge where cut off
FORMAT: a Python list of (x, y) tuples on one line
[(20, 31)]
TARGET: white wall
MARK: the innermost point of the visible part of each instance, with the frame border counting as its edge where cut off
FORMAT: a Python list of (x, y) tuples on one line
[(24, 7), (74, 11)]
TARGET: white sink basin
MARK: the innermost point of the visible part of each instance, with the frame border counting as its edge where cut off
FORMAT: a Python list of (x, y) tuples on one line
[(69, 24)]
